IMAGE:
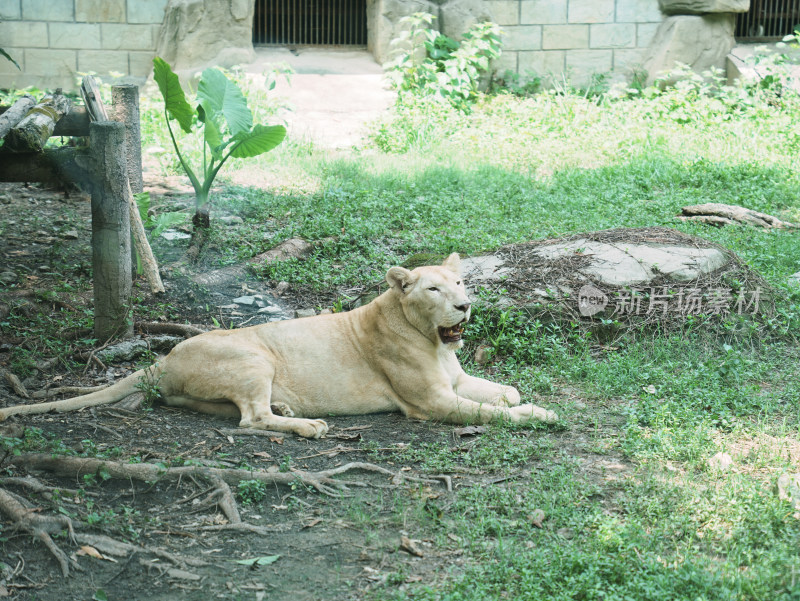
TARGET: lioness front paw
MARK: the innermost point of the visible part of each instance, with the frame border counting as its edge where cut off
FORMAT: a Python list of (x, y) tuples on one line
[(312, 428), (526, 413)]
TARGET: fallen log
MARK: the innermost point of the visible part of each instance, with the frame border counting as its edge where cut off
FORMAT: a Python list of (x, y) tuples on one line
[(715, 213), (33, 131), (15, 113)]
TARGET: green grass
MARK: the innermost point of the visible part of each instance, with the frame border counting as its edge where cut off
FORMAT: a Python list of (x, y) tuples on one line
[(435, 180)]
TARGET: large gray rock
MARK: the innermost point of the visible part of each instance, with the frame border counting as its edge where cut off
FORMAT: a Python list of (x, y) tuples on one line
[(702, 42), (622, 274), (200, 33), (622, 264), (701, 7)]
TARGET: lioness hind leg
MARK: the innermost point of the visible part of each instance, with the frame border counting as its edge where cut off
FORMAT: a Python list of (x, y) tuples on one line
[(254, 402)]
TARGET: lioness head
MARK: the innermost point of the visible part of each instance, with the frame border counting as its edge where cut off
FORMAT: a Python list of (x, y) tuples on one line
[(434, 299)]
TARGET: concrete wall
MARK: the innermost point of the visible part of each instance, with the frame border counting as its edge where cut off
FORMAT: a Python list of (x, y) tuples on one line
[(54, 40), (575, 37)]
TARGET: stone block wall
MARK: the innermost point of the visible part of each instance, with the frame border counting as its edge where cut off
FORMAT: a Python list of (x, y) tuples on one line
[(576, 38), (54, 40)]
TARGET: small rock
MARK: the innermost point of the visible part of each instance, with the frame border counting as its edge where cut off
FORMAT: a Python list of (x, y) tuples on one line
[(305, 313), (8, 277), (175, 235), (231, 220), (567, 533), (721, 461), (270, 310), (536, 517), (245, 300), (326, 312), (43, 268), (228, 307), (483, 354), (70, 235)]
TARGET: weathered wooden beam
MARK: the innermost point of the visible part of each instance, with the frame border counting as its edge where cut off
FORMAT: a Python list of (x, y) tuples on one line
[(111, 232), (32, 133), (74, 123), (14, 113), (53, 166)]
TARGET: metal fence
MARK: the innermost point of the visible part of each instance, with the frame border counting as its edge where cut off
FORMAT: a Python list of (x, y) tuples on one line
[(312, 22), (768, 20)]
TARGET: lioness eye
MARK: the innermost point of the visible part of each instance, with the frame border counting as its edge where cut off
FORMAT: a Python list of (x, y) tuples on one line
[(433, 289)]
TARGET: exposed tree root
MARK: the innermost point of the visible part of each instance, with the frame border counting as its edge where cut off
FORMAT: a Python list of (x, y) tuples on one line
[(221, 495), (112, 546), (40, 526)]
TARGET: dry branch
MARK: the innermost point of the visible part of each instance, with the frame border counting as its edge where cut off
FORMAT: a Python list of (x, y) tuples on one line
[(145, 253), (715, 213), (182, 329)]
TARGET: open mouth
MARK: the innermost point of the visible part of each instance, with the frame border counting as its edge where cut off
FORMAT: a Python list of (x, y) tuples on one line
[(452, 334)]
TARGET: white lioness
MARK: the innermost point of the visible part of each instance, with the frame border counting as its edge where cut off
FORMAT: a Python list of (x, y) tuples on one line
[(395, 354)]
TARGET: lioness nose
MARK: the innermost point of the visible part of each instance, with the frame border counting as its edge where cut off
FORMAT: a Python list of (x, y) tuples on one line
[(465, 307)]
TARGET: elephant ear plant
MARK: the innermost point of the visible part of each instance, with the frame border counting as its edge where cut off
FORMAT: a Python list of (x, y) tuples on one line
[(227, 125)]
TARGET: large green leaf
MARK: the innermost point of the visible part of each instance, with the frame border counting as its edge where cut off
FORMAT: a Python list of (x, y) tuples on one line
[(211, 130), (261, 139), (8, 56), (171, 91), (220, 95)]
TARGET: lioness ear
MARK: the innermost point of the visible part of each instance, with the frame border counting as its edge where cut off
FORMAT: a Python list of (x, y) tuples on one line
[(453, 263), (400, 278)]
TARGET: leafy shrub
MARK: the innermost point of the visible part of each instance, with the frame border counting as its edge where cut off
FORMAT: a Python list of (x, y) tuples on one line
[(430, 64)]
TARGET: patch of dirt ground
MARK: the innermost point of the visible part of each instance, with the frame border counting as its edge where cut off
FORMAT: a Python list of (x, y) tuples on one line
[(172, 537)]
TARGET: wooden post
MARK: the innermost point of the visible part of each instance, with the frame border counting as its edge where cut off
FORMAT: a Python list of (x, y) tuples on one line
[(125, 101), (111, 232)]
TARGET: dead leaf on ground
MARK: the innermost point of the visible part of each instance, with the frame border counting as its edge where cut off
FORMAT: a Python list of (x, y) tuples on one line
[(276, 439), (312, 523), (88, 550), (469, 430), (263, 455), (409, 546)]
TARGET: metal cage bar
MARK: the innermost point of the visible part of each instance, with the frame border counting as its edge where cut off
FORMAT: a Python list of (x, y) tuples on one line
[(312, 22), (768, 20)]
